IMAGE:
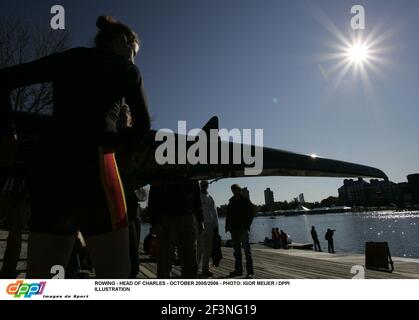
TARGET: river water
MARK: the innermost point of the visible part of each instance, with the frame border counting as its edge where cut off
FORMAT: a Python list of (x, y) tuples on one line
[(399, 229)]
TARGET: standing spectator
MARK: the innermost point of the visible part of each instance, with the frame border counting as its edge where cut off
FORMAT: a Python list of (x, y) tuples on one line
[(315, 240), (278, 239), (329, 237), (205, 240), (176, 215), (240, 212), (273, 235), (216, 253), (148, 240), (284, 239)]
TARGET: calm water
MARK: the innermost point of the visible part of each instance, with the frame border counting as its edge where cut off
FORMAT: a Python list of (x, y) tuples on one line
[(400, 230)]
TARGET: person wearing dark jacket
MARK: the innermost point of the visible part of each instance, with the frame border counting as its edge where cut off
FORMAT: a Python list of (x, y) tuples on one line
[(240, 212), (284, 239), (176, 217), (315, 240), (75, 156), (148, 240), (329, 237)]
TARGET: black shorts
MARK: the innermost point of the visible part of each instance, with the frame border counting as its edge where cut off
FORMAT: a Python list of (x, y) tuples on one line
[(84, 194)]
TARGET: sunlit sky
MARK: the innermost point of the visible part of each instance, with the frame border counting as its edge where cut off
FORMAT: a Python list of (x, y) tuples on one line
[(276, 65)]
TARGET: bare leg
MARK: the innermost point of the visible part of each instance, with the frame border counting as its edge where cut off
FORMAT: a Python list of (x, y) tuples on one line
[(134, 246), (46, 251), (110, 254)]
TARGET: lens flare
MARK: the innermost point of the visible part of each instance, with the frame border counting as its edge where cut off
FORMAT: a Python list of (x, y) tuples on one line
[(358, 53)]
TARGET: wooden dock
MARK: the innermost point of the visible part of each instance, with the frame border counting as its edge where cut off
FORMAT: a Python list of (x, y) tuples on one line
[(273, 264), (297, 264)]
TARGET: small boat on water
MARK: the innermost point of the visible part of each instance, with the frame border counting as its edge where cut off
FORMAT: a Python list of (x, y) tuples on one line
[(290, 245), (301, 246), (271, 244)]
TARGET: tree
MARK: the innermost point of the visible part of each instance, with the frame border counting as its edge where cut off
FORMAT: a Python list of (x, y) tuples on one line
[(20, 42), (330, 202)]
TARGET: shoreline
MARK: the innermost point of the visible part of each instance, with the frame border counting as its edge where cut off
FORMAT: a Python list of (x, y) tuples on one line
[(295, 250), (325, 255)]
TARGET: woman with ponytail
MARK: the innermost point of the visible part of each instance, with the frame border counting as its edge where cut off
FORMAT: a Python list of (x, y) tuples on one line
[(74, 179)]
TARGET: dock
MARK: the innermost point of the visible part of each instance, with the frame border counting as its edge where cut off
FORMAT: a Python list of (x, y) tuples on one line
[(272, 264), (297, 264)]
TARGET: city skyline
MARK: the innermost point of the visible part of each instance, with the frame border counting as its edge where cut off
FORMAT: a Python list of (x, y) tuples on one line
[(268, 192), (269, 197)]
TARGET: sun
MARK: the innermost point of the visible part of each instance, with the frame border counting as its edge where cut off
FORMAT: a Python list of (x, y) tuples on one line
[(358, 53)]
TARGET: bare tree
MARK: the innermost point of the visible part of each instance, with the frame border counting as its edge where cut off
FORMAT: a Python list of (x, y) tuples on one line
[(22, 41)]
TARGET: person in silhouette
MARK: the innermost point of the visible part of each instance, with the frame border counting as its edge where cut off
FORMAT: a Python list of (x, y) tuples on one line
[(284, 239), (74, 178), (240, 213), (14, 204), (315, 240), (205, 240), (329, 237), (176, 217), (216, 253), (276, 240), (148, 240)]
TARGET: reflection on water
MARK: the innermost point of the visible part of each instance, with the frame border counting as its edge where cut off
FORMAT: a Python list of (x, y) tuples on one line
[(399, 229)]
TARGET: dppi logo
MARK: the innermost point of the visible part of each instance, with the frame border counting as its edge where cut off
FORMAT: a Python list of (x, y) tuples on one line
[(27, 290)]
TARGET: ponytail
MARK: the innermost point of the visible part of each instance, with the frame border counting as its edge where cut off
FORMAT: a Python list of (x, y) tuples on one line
[(111, 30)]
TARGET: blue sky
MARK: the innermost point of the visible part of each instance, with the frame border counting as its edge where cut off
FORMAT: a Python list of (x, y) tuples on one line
[(259, 64)]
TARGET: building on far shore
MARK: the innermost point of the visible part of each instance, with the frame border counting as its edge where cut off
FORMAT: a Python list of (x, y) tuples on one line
[(301, 198), (379, 192), (269, 197), (353, 192), (413, 182)]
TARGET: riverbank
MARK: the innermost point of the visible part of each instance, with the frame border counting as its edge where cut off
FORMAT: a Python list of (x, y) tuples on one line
[(353, 230)]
